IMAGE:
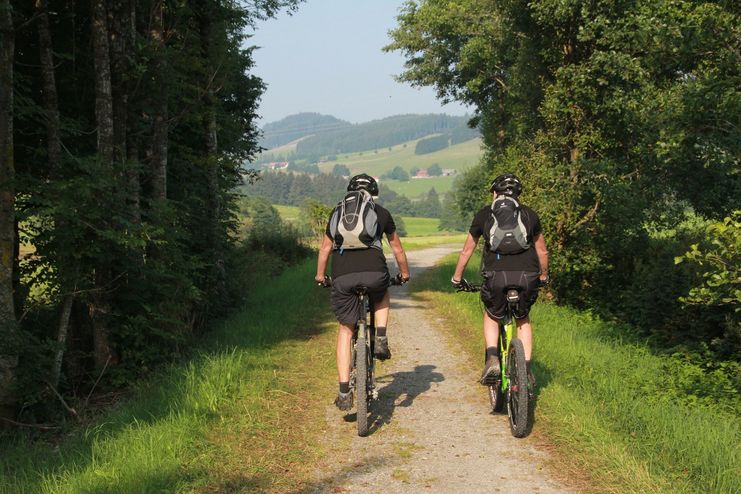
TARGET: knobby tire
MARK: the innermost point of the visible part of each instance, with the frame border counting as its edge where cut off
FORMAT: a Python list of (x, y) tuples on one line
[(361, 381), (517, 395)]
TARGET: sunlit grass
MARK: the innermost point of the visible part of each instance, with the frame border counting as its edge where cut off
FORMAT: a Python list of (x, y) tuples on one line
[(231, 416), (288, 214), (603, 403)]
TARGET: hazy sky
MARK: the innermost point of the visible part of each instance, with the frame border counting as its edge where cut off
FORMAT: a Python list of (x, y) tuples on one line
[(326, 58)]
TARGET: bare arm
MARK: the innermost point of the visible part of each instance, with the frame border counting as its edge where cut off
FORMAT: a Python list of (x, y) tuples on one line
[(542, 252), (399, 254), (468, 247), (321, 262)]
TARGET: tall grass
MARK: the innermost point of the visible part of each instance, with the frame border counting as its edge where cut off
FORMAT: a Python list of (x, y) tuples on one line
[(226, 420), (605, 401)]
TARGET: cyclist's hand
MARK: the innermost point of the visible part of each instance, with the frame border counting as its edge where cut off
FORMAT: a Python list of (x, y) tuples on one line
[(543, 282), (399, 280), (324, 281), (459, 285)]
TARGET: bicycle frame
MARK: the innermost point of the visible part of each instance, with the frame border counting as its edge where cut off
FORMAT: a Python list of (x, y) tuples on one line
[(366, 331), (507, 331)]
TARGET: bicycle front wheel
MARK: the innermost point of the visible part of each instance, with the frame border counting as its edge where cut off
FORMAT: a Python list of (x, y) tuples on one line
[(496, 397), (361, 380), (517, 394)]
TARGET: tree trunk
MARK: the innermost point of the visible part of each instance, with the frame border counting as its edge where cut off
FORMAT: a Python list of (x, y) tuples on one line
[(62, 339), (54, 152), (213, 200), (100, 305), (212, 145), (49, 88), (160, 126), (8, 355), (121, 23)]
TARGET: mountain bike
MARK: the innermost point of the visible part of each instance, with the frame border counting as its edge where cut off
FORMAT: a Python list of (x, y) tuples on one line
[(362, 373), (512, 385)]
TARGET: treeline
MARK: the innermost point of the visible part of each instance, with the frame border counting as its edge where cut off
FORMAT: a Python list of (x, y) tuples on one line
[(292, 189), (296, 126), (623, 121), (124, 127), (440, 142)]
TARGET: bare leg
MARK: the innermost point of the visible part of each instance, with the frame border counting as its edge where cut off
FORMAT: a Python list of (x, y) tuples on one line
[(525, 334), (344, 354), (491, 331), (382, 310)]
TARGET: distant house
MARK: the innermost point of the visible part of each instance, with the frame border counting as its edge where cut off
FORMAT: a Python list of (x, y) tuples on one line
[(449, 172), (422, 174), (277, 165)]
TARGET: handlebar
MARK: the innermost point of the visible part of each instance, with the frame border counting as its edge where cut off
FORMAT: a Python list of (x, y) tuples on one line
[(465, 286), (397, 280)]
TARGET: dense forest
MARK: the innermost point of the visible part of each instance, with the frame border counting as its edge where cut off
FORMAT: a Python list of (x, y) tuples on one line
[(622, 119), (124, 129)]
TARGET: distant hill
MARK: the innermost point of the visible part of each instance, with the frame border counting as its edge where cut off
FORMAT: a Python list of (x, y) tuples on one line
[(312, 136), (379, 134), (297, 126)]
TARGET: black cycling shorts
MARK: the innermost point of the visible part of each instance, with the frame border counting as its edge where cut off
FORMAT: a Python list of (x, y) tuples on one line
[(345, 303), (494, 292)]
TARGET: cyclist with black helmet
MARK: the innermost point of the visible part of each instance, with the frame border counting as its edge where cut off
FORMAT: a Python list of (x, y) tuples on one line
[(515, 255), (354, 264)]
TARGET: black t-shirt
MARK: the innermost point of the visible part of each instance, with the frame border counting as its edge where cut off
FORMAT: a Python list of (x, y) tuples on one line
[(524, 261), (363, 260)]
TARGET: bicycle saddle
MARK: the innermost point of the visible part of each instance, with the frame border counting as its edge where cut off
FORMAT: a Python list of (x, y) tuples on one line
[(360, 290)]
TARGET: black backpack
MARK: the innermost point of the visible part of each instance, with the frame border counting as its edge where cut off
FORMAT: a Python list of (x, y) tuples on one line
[(354, 222), (505, 231)]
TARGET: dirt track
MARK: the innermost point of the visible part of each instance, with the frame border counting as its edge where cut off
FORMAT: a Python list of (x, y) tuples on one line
[(431, 430)]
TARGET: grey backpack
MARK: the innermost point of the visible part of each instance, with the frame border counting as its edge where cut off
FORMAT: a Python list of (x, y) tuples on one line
[(505, 230), (354, 222)]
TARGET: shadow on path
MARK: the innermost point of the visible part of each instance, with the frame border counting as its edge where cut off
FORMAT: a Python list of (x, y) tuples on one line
[(409, 384)]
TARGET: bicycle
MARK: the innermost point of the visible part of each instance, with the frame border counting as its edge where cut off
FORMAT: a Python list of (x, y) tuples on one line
[(362, 372), (512, 385)]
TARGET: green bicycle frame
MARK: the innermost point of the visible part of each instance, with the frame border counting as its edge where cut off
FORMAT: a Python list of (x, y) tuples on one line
[(506, 332)]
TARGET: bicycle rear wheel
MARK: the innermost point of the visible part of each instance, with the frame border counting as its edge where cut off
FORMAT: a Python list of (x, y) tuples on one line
[(361, 380), (518, 400)]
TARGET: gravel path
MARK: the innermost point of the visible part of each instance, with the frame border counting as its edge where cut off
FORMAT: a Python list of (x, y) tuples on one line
[(431, 430)]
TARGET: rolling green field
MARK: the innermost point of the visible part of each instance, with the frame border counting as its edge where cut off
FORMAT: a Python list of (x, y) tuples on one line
[(377, 162)]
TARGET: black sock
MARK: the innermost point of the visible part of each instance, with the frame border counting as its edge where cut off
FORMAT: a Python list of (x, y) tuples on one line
[(492, 351), (381, 331), (345, 387), (527, 365)]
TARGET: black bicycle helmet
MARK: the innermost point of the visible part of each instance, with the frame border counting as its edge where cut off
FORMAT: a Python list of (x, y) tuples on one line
[(364, 182), (507, 184)]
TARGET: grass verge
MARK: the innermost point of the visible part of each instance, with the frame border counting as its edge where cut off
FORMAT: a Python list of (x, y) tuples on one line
[(232, 419), (603, 403)]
